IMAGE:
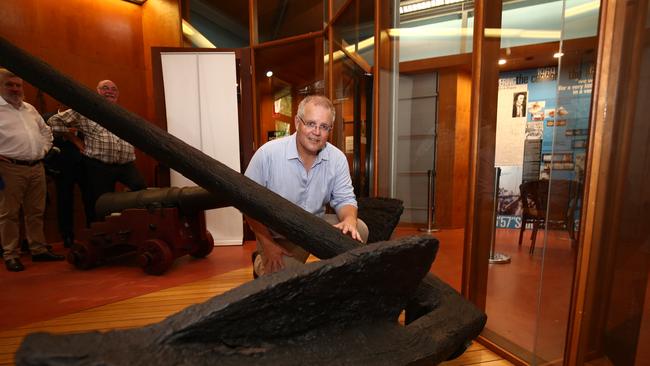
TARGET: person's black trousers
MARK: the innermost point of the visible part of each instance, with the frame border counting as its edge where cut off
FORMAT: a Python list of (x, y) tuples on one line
[(101, 178)]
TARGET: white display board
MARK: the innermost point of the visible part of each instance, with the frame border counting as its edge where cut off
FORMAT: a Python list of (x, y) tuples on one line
[(511, 130), (201, 105)]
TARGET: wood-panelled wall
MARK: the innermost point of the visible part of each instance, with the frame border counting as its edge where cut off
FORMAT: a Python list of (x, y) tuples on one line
[(454, 89), (92, 40)]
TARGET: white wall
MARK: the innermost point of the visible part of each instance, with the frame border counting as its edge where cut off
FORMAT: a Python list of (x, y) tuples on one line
[(201, 105)]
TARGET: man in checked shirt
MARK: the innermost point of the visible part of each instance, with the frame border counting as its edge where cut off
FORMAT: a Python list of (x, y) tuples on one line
[(106, 159)]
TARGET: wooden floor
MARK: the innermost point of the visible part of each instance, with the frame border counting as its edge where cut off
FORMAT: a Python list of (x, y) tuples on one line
[(155, 306)]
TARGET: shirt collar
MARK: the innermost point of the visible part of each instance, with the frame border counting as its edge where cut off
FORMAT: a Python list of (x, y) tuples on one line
[(4, 102), (292, 150)]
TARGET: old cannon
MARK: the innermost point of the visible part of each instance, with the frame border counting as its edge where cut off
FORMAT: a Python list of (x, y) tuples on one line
[(158, 225)]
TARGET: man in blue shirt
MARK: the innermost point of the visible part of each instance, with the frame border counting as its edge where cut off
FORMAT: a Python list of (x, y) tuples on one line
[(310, 172)]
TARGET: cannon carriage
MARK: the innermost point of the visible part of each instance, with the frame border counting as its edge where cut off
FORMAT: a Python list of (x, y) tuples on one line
[(158, 225)]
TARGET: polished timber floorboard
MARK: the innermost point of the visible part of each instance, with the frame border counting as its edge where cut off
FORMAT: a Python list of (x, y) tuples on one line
[(155, 306)]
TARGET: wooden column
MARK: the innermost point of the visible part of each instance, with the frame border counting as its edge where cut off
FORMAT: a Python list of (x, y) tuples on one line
[(383, 106), (253, 41), (612, 268), (452, 163), (483, 118)]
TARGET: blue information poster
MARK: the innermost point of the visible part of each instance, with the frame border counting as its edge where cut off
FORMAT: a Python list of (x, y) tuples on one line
[(542, 131)]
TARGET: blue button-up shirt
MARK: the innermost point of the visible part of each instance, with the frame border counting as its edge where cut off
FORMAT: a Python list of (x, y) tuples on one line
[(277, 166)]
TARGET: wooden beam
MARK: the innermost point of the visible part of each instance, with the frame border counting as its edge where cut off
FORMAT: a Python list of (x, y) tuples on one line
[(436, 63), (356, 58), (329, 32), (253, 23), (289, 40), (339, 13), (483, 118)]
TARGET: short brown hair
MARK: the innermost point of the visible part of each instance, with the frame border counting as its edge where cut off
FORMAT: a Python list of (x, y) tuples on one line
[(319, 100)]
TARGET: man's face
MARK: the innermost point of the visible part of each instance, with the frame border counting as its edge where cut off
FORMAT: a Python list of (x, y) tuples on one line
[(11, 90), (108, 90), (313, 139), (520, 99)]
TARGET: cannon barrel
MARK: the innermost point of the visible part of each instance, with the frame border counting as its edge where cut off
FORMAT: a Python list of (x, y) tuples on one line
[(187, 199)]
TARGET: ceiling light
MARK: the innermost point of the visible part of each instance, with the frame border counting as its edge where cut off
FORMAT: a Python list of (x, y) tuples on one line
[(269, 74), (558, 54), (502, 61)]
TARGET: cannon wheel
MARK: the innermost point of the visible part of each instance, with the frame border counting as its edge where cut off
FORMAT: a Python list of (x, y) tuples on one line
[(204, 247), (155, 257), (83, 255)]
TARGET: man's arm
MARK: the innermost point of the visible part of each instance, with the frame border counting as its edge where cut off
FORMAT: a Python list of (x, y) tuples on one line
[(71, 135), (272, 251), (348, 221), (65, 124), (62, 121), (343, 200), (45, 131), (258, 170)]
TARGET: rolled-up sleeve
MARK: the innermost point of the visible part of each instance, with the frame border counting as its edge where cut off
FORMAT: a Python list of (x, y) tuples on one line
[(62, 120), (255, 169), (343, 192)]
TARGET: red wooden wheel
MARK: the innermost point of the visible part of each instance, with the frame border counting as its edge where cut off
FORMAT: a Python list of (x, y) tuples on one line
[(203, 247), (155, 257), (83, 255)]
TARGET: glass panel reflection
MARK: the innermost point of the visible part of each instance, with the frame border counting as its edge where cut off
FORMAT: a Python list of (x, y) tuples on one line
[(544, 99), (286, 18), (224, 23), (439, 31), (415, 143), (446, 30), (354, 31), (352, 94), (285, 74), (568, 129)]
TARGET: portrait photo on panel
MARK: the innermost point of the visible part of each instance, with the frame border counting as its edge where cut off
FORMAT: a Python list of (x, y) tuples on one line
[(519, 104)]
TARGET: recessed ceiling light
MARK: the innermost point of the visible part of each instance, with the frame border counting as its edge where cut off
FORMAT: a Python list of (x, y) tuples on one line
[(269, 74), (502, 61)]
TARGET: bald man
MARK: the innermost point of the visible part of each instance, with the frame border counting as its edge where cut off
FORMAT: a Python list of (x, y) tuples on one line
[(25, 141), (106, 159)]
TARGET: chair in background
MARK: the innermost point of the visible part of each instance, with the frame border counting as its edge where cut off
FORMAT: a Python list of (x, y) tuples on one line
[(540, 209)]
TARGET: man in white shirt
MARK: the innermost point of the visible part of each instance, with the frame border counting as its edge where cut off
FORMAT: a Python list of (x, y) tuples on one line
[(25, 141)]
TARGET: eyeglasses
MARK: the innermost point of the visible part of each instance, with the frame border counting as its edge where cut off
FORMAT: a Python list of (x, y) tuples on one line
[(107, 88), (313, 125)]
